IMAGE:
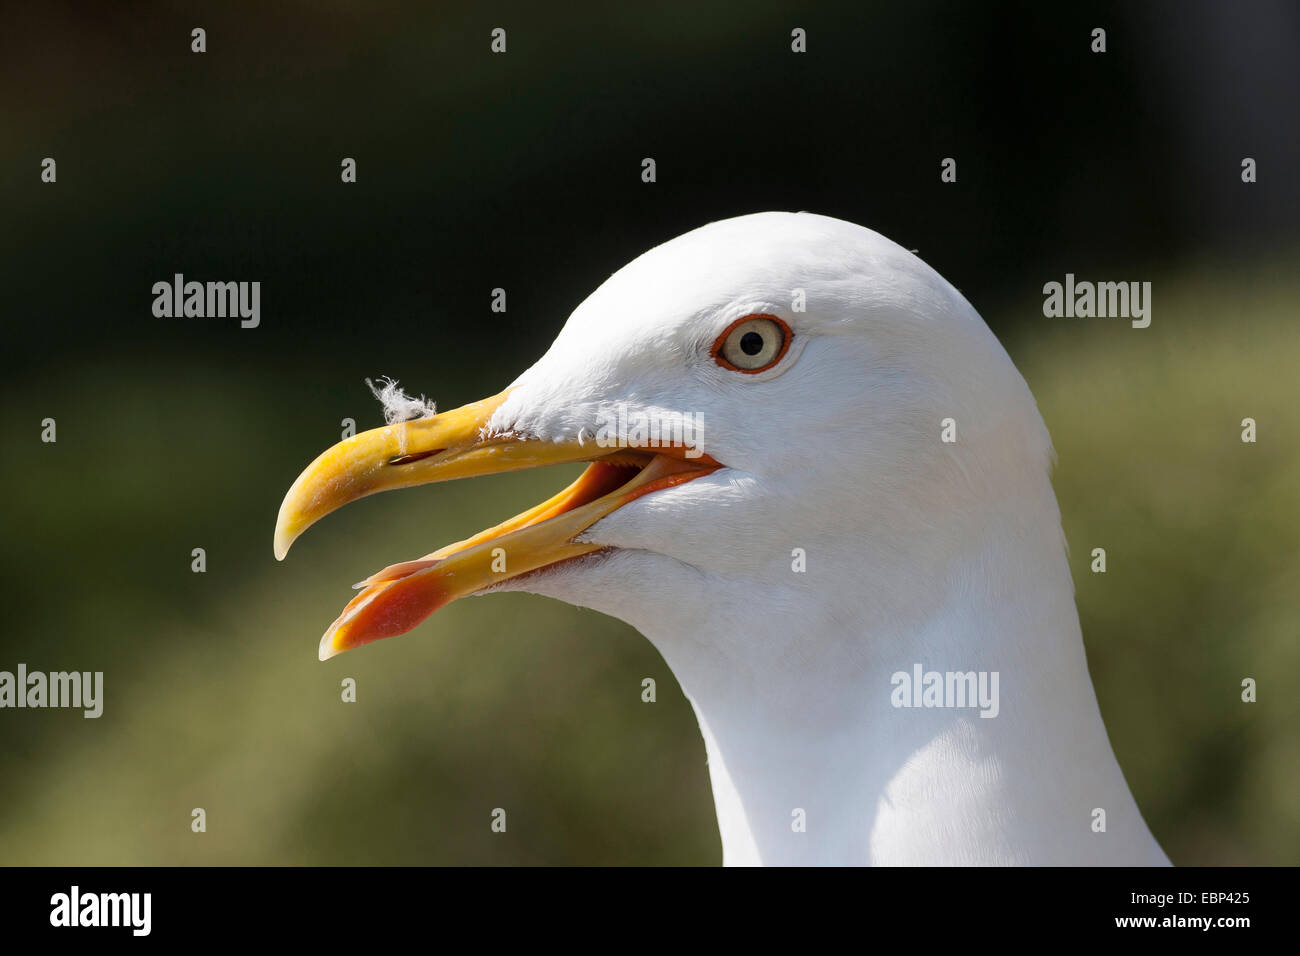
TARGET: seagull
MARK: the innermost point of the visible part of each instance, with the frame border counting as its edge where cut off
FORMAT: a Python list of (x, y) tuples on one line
[(846, 502)]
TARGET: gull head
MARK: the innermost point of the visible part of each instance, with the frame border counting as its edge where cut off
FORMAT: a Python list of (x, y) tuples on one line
[(786, 416)]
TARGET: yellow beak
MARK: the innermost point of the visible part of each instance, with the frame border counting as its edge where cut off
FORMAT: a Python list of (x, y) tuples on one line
[(456, 444)]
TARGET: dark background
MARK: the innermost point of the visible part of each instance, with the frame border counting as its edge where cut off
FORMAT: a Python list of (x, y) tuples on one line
[(522, 171)]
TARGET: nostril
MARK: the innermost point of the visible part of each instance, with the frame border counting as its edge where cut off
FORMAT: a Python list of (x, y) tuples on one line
[(415, 456)]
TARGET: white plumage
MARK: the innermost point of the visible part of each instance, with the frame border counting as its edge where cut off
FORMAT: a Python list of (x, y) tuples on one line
[(950, 555)]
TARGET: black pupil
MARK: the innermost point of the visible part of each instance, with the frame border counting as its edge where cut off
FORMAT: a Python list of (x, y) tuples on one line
[(751, 343)]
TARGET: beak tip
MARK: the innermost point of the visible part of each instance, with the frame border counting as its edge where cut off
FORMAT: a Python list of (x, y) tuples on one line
[(284, 538), (327, 648)]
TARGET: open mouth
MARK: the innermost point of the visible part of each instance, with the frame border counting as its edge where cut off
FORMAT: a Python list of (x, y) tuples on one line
[(453, 445)]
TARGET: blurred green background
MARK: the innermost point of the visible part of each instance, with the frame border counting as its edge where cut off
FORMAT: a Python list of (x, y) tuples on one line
[(522, 171)]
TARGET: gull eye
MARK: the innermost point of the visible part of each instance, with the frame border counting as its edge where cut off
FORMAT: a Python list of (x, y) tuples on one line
[(753, 343)]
